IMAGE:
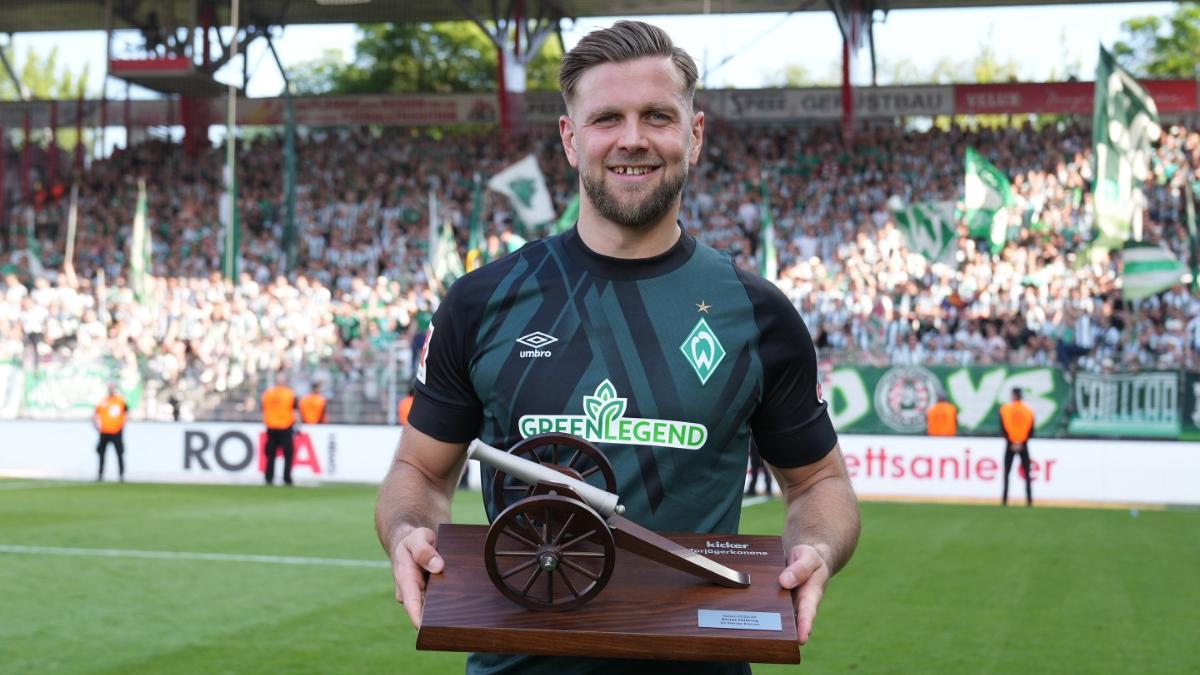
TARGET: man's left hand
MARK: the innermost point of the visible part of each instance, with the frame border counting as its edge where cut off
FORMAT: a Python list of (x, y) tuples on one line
[(806, 576)]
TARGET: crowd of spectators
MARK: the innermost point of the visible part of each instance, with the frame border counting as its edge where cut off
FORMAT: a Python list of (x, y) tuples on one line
[(362, 214)]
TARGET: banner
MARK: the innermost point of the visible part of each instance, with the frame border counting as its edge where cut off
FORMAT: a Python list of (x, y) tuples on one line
[(871, 400), (1175, 97), (1190, 426), (986, 198), (928, 229), (1124, 124), (1142, 405), (63, 391), (1062, 98)]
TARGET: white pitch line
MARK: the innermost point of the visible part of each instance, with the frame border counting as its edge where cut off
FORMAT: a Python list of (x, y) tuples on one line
[(185, 555), (35, 484), (754, 501)]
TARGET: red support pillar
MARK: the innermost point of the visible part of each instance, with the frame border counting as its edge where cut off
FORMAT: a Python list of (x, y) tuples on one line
[(52, 149)]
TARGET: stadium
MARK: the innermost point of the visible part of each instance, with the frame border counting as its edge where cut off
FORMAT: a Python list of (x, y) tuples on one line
[(200, 270)]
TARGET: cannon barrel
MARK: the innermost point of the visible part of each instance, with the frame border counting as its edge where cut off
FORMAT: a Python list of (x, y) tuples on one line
[(604, 502)]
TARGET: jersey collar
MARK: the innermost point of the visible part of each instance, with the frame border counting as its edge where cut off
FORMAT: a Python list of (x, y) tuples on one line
[(629, 269)]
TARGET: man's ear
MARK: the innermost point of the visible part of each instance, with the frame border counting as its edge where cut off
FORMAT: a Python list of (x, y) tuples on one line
[(697, 136), (566, 132)]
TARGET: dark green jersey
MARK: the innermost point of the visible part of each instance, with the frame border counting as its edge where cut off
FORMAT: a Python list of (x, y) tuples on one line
[(667, 364)]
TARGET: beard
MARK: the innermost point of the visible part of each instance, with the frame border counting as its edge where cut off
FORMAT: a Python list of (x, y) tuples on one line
[(639, 214)]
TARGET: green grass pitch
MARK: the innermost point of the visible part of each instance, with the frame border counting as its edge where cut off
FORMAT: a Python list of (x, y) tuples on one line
[(933, 588)]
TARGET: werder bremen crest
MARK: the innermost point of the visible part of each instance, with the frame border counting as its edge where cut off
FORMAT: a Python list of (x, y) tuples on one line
[(604, 421), (703, 350)]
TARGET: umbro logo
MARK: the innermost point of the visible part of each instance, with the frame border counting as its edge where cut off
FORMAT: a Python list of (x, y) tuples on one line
[(536, 341)]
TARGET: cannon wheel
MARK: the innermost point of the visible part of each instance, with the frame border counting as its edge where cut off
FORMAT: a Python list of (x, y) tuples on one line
[(549, 553), (568, 454)]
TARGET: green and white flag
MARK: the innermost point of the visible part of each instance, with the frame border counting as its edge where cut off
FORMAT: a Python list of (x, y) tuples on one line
[(928, 229), (445, 265), (1124, 125), (139, 246), (569, 215), (525, 186), (986, 199), (768, 255), (33, 248), (1147, 270)]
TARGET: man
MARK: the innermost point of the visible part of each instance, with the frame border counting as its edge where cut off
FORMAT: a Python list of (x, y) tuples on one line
[(1016, 420), (634, 316), (942, 418), (314, 406), (279, 414), (110, 422)]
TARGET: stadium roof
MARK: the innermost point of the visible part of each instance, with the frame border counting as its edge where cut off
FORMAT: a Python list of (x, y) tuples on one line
[(77, 15)]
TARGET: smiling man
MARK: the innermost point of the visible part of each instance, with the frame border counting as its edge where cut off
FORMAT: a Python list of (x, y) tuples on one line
[(685, 355)]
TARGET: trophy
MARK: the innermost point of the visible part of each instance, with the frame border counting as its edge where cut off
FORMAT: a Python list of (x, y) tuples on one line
[(559, 539), (563, 528)]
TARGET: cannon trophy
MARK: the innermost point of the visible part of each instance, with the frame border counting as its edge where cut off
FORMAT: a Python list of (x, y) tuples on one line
[(552, 546)]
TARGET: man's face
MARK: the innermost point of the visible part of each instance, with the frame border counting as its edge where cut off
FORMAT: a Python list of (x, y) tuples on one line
[(632, 136)]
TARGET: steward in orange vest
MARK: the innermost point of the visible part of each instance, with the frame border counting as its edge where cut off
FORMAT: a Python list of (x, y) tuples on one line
[(942, 418), (279, 414), (1017, 423), (313, 406), (110, 422)]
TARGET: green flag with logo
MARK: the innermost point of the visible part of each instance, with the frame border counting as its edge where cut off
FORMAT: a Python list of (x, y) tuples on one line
[(1147, 270), (986, 198), (928, 228), (768, 255), (1124, 124), (525, 187), (139, 246)]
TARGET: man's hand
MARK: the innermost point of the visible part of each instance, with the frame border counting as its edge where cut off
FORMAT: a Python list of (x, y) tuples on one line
[(806, 576), (413, 559)]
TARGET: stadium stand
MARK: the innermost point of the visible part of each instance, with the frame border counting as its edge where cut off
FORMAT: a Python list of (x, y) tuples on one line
[(346, 316)]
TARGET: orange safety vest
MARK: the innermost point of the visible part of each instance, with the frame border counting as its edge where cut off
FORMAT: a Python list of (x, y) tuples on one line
[(942, 419), (404, 408), (1017, 419), (312, 409), (111, 412), (279, 408)]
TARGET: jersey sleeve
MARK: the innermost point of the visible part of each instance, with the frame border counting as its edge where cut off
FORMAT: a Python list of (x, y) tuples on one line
[(445, 405), (791, 424)]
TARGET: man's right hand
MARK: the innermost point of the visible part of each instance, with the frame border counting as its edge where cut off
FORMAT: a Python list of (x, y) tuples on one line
[(414, 557)]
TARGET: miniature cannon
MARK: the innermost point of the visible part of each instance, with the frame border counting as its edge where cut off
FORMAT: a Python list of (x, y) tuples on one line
[(553, 545)]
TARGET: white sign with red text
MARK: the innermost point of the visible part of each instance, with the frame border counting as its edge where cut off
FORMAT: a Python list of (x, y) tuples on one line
[(1150, 472)]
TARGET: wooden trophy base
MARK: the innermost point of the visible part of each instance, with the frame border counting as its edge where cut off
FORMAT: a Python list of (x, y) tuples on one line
[(647, 610)]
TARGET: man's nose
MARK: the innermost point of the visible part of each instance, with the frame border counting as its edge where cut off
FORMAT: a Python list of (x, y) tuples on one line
[(632, 136)]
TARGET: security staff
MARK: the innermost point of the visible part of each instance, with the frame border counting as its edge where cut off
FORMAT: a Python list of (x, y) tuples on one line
[(1016, 420), (313, 406), (110, 422), (279, 414), (942, 418)]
